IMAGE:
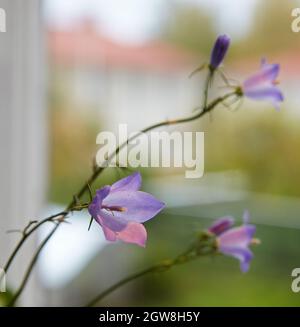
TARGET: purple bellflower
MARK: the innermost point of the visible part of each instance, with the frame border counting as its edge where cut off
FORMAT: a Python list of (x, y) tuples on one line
[(235, 241), (120, 209), (219, 51), (262, 85)]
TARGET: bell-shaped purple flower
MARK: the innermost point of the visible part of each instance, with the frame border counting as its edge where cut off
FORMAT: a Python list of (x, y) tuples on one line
[(121, 208), (219, 51), (262, 85), (235, 241)]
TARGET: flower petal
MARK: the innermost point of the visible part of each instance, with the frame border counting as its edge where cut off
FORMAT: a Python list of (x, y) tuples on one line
[(237, 237), (130, 183), (95, 206), (246, 217), (219, 51), (265, 77), (244, 255), (271, 71), (272, 94), (138, 206), (134, 233), (103, 192), (109, 234), (109, 220), (263, 62), (221, 225)]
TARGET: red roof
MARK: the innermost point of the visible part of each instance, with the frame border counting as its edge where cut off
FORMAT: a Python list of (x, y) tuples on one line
[(84, 45), (290, 63)]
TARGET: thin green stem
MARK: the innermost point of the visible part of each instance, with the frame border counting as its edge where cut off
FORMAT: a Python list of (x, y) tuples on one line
[(121, 283), (26, 234), (166, 265), (28, 231), (206, 87), (31, 265)]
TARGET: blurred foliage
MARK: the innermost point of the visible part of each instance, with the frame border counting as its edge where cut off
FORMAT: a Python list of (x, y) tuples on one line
[(5, 297), (262, 143), (72, 138), (185, 24), (271, 23), (72, 134)]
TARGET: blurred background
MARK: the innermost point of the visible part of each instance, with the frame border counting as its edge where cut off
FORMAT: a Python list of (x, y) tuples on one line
[(71, 69)]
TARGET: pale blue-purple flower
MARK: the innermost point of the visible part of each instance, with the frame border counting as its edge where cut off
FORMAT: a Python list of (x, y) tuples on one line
[(262, 85), (219, 51), (121, 208), (235, 241)]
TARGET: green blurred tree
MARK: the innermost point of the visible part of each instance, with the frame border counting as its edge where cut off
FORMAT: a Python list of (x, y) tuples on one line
[(271, 28), (190, 27)]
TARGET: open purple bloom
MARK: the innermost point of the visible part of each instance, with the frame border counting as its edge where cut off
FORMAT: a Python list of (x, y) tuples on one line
[(235, 241), (262, 85), (121, 208), (219, 51)]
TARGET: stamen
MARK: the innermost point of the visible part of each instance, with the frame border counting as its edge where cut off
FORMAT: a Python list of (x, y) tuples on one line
[(114, 208), (255, 241)]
